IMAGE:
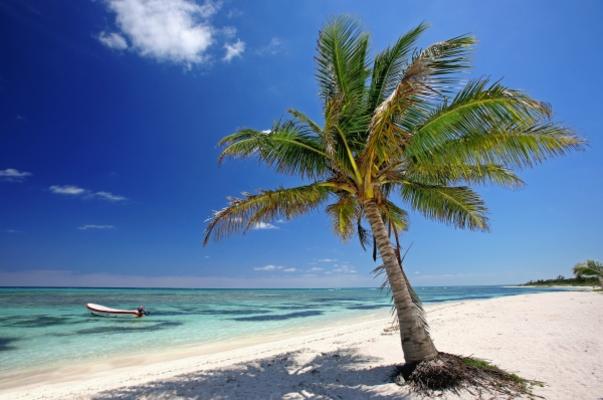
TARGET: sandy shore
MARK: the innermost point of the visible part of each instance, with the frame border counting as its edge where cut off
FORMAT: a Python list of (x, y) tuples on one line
[(550, 337)]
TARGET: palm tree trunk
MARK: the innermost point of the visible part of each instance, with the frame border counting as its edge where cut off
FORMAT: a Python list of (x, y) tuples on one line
[(416, 342)]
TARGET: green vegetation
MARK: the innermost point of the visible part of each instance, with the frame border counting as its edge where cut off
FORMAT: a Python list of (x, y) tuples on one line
[(523, 383), (562, 281), (484, 365), (588, 273), (405, 126), (590, 269)]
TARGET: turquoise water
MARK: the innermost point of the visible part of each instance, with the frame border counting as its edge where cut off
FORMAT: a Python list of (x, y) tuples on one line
[(44, 326)]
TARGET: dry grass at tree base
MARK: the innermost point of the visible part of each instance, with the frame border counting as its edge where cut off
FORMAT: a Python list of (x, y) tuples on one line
[(449, 372)]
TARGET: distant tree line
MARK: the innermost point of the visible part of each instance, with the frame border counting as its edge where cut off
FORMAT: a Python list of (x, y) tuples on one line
[(588, 273)]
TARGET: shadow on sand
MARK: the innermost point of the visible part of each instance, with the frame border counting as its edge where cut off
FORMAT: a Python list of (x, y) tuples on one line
[(335, 375)]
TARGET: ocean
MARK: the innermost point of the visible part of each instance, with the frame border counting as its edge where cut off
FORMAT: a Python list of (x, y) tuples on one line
[(41, 327)]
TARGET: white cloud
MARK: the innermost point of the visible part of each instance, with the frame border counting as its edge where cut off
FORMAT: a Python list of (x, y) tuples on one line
[(11, 231), (13, 175), (109, 196), (229, 32), (233, 50), (76, 191), (274, 47), (269, 267), (274, 268), (177, 31), (113, 40), (68, 190), (335, 268), (263, 226), (95, 227), (344, 269)]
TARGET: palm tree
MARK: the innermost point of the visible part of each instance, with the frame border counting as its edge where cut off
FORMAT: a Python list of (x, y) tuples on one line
[(589, 268), (404, 128)]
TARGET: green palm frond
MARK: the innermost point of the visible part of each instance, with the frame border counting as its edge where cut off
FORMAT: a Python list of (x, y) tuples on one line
[(477, 107), (341, 60), (428, 77), (459, 206), (304, 119), (394, 216), (342, 74), (336, 143), (512, 146), (242, 214), (589, 268), (389, 65), (344, 213), (447, 174), (287, 147)]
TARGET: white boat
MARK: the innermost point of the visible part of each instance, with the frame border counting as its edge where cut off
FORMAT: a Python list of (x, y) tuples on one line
[(103, 311)]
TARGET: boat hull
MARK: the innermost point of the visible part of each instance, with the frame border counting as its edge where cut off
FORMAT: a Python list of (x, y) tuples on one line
[(103, 311)]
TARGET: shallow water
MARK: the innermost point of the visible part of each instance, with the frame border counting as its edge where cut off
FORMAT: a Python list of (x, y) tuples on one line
[(43, 326)]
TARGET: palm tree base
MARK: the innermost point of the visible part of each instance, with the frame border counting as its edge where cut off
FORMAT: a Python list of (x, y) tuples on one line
[(449, 372)]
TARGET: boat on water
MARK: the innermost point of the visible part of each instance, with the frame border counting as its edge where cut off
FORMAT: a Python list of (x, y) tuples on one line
[(104, 311)]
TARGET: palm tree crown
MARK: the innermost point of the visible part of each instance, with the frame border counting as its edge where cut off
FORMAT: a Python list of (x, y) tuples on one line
[(406, 125), (589, 268)]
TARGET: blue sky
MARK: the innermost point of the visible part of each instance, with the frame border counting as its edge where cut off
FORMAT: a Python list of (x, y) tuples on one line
[(110, 111)]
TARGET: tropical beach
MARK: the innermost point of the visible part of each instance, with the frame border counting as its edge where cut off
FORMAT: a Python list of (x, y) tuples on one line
[(42, 326), (204, 199), (549, 337)]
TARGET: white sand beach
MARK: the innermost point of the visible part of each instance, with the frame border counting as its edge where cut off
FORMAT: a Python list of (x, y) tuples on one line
[(554, 338)]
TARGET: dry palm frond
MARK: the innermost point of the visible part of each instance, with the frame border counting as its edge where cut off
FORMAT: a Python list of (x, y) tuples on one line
[(243, 214), (416, 300)]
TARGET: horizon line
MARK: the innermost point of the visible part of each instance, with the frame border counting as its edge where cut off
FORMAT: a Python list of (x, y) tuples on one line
[(235, 288)]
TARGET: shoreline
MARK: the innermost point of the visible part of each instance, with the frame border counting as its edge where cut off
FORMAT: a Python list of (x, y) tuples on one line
[(176, 359), (222, 341), (178, 351), (204, 347), (66, 371), (504, 331)]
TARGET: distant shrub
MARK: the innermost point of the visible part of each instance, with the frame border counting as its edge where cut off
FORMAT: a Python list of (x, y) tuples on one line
[(562, 281)]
